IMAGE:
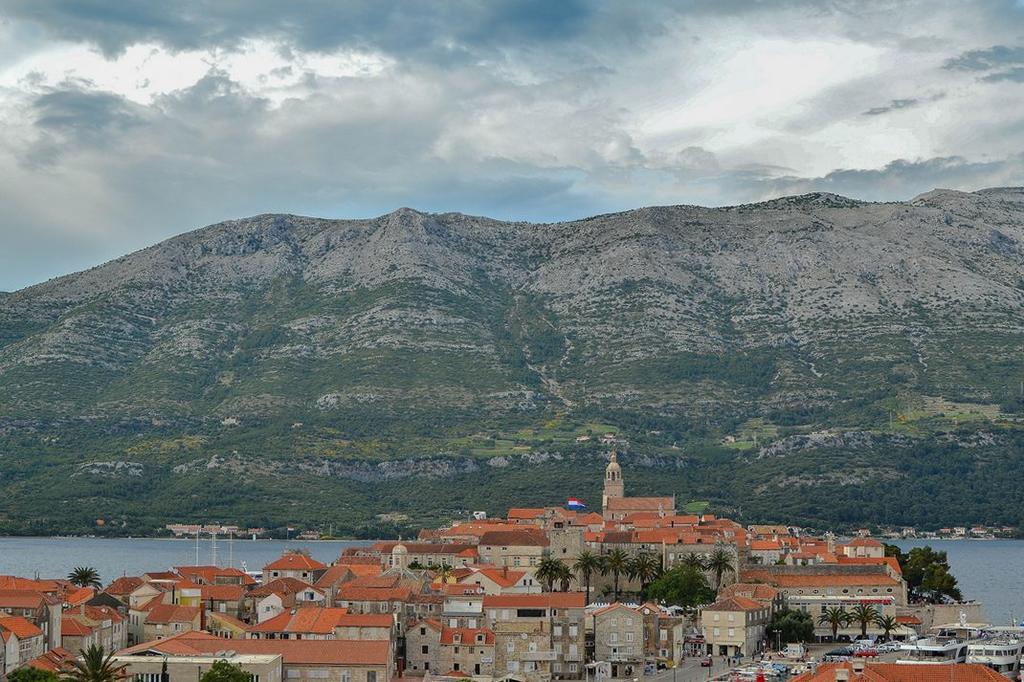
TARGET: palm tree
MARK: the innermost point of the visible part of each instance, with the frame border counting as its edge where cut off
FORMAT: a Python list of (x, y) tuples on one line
[(444, 573), (697, 561), (615, 562), (85, 576), (644, 567), (564, 576), (548, 571), (721, 562), (835, 618), (863, 614), (888, 624), (587, 563), (94, 665)]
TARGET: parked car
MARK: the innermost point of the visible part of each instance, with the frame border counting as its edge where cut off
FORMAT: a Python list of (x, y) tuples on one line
[(866, 653), (840, 652)]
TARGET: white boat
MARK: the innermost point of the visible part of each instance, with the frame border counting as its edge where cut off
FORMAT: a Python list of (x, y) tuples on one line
[(1000, 653), (939, 649)]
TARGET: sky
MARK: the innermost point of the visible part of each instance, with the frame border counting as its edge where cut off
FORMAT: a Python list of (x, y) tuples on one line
[(126, 122)]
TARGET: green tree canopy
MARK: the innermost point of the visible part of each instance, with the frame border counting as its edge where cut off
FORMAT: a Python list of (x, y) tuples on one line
[(681, 586), (792, 626), (222, 671), (30, 674), (927, 573)]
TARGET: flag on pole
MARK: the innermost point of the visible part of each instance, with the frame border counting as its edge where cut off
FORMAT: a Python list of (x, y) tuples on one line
[(575, 505)]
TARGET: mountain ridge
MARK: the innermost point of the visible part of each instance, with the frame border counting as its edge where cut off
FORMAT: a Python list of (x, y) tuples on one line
[(497, 349)]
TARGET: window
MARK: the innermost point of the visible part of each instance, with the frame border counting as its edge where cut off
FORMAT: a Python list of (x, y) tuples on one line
[(318, 674), (424, 649), (371, 676), (423, 631), (717, 632), (346, 676), (732, 632), (613, 637), (292, 674), (573, 668), (629, 636), (556, 631), (510, 648), (456, 666), (574, 630)]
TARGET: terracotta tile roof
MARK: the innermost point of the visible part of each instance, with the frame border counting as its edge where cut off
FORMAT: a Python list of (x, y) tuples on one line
[(526, 513), (293, 561), (864, 542), (54, 660), (172, 613), (349, 592), (101, 613), (627, 504), (20, 626), (514, 538), (477, 529), (824, 579), (21, 599), (503, 577), (222, 592), (335, 573), (13, 582), (735, 603), (310, 619), (80, 596), (612, 607), (908, 620), (890, 561), (209, 574), (161, 575), (280, 586), (467, 635), (124, 585), (895, 672), (294, 652), (558, 600), (763, 545), (755, 591), (70, 626)]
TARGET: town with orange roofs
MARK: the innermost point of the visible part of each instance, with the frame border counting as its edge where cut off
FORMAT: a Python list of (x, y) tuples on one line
[(634, 589)]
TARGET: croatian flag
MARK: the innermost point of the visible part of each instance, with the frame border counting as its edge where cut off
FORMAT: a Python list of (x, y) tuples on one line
[(575, 504)]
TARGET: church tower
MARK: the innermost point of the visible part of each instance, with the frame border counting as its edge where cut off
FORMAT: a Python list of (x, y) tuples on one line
[(613, 485)]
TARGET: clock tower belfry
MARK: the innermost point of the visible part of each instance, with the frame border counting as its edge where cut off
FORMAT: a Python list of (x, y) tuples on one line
[(613, 484)]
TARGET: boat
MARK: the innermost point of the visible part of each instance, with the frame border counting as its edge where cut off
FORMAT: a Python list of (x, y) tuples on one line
[(948, 645), (1001, 653), (937, 649)]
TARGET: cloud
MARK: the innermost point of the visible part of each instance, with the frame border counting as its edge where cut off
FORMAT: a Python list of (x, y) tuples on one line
[(999, 62), (127, 123), (893, 105)]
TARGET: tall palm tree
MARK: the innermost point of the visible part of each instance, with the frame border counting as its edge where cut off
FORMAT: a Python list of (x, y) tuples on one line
[(85, 576), (835, 618), (721, 562), (444, 573), (587, 563), (864, 614), (615, 562), (888, 624), (644, 567), (94, 665), (698, 561), (548, 571), (564, 576)]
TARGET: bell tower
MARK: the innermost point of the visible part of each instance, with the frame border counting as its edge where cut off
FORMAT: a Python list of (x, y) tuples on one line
[(613, 484)]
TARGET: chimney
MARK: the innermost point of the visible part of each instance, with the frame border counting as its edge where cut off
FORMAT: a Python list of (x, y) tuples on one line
[(842, 673), (858, 666)]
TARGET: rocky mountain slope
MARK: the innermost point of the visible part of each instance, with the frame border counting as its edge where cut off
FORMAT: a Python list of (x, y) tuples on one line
[(812, 343)]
